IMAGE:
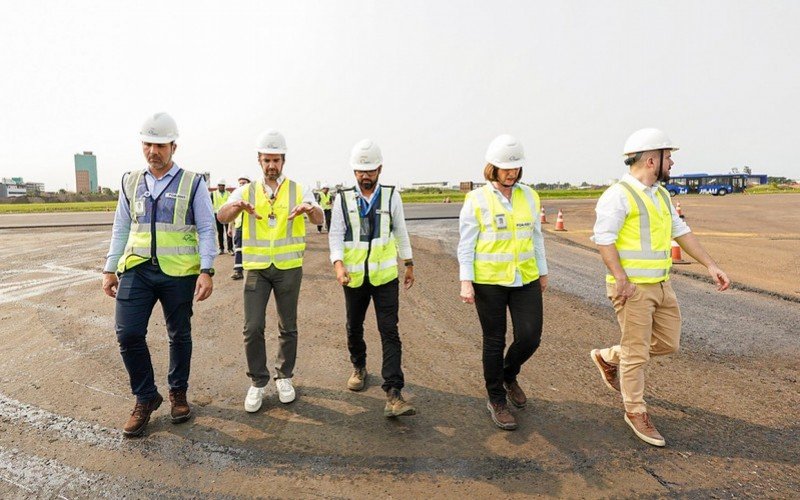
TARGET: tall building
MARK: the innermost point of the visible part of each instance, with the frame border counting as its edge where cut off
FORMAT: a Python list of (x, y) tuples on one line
[(86, 173)]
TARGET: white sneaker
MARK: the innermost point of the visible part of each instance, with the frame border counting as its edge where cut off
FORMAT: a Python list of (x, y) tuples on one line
[(285, 390), (255, 396)]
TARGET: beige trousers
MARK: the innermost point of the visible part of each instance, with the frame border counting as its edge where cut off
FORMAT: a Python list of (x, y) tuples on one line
[(651, 326)]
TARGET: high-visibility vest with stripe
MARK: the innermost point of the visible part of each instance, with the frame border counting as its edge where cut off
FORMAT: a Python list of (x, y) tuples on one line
[(505, 241), (369, 245), (237, 222), (218, 199), (169, 219), (325, 200), (644, 241), (281, 242)]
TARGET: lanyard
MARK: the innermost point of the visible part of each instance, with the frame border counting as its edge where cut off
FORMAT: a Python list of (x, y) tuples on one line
[(365, 208), (271, 199)]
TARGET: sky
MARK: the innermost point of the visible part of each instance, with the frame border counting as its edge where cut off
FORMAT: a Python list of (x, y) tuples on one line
[(431, 82)]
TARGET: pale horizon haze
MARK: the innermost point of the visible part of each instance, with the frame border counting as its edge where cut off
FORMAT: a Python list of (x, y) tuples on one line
[(431, 82)]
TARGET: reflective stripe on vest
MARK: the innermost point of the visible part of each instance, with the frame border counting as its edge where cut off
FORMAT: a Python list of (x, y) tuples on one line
[(176, 241), (218, 199), (282, 244), (505, 241), (380, 253), (644, 241)]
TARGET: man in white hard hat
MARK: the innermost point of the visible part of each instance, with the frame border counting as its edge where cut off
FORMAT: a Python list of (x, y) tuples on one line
[(635, 226), (219, 198), (367, 234), (235, 230), (273, 245), (326, 202), (503, 271), (162, 250)]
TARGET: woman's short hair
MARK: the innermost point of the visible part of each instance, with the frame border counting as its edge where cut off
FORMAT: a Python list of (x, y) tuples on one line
[(490, 173)]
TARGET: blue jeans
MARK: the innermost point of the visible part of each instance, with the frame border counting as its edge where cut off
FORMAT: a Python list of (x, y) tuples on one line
[(138, 291)]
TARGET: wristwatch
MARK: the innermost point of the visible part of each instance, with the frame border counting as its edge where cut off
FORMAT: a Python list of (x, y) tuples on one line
[(209, 271), (409, 263)]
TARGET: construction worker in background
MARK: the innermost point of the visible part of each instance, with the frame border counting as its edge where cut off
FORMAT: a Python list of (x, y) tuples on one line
[(503, 267), (325, 201), (635, 226), (273, 244), (235, 230), (367, 230), (219, 198), (162, 249)]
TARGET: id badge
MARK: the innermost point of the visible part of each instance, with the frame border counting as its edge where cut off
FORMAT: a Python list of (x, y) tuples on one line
[(500, 221), (139, 207), (272, 221)]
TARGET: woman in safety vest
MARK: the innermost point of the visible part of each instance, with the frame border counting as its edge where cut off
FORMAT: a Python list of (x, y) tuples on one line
[(502, 267)]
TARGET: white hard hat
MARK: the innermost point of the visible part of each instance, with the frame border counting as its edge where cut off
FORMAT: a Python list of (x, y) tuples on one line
[(271, 142), (366, 155), (221, 182), (159, 128), (648, 139), (505, 152), (244, 176), (325, 186)]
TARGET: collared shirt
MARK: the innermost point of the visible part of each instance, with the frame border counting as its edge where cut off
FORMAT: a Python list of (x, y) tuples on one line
[(237, 194), (203, 217), (613, 207), (339, 227), (469, 230)]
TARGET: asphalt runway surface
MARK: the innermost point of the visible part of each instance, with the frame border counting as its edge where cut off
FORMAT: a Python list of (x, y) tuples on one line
[(726, 403)]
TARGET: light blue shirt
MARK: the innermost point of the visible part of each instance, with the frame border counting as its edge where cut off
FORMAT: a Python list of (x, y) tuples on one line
[(469, 229), (203, 217)]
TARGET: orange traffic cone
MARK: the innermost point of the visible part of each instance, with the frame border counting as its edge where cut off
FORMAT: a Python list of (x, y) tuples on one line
[(560, 221), (678, 209), (677, 258), (542, 217)]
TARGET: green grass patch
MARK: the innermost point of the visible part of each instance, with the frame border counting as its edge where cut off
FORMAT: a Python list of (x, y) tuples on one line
[(458, 197), (772, 188), (79, 206)]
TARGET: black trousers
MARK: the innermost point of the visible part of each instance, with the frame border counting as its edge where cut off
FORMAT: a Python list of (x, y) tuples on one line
[(525, 305), (138, 291), (386, 300), (327, 213), (222, 236)]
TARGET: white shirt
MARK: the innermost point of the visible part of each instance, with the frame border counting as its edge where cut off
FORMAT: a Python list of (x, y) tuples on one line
[(236, 195), (469, 229), (338, 227), (613, 207)]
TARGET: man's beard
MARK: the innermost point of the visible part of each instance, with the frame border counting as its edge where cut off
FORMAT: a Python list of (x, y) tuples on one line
[(366, 184)]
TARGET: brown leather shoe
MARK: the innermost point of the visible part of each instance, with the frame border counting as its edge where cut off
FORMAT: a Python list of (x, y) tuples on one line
[(180, 411), (515, 394), (644, 429), (609, 372), (140, 416), (502, 416)]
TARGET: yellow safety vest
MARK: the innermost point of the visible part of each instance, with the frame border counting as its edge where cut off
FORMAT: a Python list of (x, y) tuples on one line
[(325, 200), (171, 218), (273, 239), (505, 241), (218, 199), (379, 254), (644, 242)]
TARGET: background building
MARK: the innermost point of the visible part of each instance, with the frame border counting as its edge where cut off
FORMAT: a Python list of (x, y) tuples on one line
[(86, 173), (15, 187)]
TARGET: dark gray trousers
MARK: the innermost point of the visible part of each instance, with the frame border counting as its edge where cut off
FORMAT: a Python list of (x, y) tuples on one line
[(258, 286)]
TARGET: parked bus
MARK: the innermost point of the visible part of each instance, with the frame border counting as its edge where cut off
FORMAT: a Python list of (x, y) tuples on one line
[(715, 184)]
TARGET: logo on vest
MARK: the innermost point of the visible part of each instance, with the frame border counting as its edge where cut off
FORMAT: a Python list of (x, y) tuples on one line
[(176, 196)]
